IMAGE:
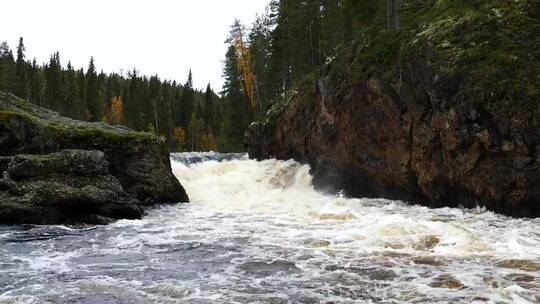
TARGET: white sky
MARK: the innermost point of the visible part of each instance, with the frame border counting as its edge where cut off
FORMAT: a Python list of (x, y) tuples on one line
[(164, 37)]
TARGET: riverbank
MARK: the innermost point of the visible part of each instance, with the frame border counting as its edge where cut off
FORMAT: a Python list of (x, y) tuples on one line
[(56, 170)]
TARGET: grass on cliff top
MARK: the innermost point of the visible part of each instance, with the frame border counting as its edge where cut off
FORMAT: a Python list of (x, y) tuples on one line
[(12, 106), (494, 45)]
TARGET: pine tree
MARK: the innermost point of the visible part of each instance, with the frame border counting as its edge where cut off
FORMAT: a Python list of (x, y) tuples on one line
[(92, 93), (21, 88), (36, 83), (237, 111), (53, 83), (193, 132), (7, 76), (210, 117), (155, 101), (186, 102), (260, 46), (131, 101), (70, 92), (102, 93), (81, 95), (164, 111)]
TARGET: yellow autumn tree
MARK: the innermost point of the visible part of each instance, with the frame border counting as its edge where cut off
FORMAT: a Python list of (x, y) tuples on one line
[(208, 142), (179, 137), (115, 113), (246, 67)]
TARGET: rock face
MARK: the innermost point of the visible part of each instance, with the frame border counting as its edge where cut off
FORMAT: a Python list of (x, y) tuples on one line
[(57, 170), (375, 142), (427, 125)]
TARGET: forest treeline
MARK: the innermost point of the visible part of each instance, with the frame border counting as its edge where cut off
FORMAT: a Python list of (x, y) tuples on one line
[(289, 44), (285, 47), (295, 42), (190, 119)]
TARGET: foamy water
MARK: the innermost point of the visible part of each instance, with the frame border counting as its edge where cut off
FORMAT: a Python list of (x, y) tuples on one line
[(257, 232)]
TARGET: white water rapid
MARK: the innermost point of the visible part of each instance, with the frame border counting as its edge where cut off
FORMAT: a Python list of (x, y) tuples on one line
[(257, 232)]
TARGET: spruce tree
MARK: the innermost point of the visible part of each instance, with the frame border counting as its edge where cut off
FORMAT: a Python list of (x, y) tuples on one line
[(20, 88), (4, 50), (237, 109), (92, 94), (36, 83), (155, 101), (260, 45), (209, 108), (8, 77), (81, 96), (53, 83), (186, 104), (70, 92)]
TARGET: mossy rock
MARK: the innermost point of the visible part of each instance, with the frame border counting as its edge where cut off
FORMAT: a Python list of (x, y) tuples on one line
[(139, 161)]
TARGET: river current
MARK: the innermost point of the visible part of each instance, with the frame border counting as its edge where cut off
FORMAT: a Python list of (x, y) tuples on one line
[(257, 232)]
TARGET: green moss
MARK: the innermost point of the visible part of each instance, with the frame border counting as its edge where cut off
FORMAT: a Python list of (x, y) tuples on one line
[(10, 114), (42, 158), (492, 45)]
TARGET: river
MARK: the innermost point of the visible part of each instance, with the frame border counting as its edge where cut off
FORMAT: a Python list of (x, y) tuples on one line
[(257, 232)]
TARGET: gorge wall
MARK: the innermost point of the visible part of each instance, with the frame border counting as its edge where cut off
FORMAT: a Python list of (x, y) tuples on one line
[(441, 114)]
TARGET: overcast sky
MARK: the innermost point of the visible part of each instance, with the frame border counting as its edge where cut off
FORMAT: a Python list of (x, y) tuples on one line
[(164, 37)]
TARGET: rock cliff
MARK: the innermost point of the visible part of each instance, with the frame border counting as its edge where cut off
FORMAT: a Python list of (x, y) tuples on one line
[(58, 170), (442, 113)]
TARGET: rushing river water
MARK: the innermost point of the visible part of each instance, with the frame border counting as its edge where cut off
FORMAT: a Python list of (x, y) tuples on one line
[(257, 232)]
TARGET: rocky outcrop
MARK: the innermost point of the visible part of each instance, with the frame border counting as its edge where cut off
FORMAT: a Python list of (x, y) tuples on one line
[(374, 142), (424, 126), (69, 186), (57, 170)]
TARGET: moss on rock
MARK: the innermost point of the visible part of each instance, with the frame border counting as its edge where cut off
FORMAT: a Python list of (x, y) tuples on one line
[(52, 156)]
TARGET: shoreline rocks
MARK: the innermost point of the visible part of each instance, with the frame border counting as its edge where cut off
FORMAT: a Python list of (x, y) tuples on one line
[(55, 170)]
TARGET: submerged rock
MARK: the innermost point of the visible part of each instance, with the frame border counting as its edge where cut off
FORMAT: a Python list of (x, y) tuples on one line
[(382, 275), (446, 281), (525, 265), (58, 170), (263, 269)]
